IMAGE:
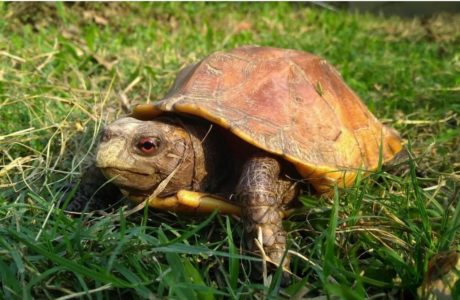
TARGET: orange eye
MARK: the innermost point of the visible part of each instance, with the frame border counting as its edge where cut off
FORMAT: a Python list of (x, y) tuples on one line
[(148, 145)]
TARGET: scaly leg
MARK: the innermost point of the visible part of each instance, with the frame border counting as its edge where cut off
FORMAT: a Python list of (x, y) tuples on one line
[(262, 194)]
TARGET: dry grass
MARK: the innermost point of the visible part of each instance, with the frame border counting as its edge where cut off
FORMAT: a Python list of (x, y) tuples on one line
[(66, 69)]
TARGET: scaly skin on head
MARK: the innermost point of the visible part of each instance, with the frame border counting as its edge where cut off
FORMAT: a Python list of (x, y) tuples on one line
[(137, 155)]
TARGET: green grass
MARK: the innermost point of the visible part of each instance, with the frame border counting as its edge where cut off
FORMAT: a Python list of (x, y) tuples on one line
[(65, 69)]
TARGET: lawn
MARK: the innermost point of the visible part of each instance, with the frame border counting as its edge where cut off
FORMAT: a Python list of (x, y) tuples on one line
[(68, 69)]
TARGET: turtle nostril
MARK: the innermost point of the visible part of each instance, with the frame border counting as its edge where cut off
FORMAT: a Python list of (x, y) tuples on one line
[(106, 135)]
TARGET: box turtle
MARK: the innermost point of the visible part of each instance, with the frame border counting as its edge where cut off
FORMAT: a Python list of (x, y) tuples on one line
[(241, 132)]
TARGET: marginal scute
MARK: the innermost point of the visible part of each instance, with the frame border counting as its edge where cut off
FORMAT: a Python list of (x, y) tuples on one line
[(286, 102), (146, 112)]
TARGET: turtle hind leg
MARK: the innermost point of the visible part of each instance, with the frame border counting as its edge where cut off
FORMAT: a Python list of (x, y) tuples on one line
[(262, 192)]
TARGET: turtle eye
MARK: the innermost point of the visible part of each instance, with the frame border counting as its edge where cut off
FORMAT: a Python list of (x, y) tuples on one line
[(148, 145)]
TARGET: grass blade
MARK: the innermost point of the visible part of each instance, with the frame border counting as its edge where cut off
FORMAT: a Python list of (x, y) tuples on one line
[(69, 264)]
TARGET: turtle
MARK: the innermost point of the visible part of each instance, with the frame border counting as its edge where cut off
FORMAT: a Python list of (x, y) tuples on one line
[(244, 131)]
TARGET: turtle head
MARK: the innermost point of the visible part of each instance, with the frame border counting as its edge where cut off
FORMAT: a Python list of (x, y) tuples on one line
[(138, 155)]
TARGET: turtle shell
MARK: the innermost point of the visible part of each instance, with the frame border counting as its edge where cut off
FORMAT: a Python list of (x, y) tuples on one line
[(286, 102)]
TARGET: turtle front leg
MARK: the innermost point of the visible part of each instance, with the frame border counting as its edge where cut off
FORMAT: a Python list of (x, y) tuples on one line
[(262, 192), (94, 192)]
